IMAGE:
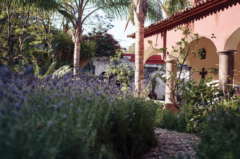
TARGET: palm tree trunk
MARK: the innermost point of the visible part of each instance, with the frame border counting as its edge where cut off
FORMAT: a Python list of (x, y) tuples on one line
[(76, 37), (76, 58), (139, 18)]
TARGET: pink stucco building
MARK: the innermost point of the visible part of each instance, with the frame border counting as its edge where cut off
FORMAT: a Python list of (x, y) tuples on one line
[(205, 17)]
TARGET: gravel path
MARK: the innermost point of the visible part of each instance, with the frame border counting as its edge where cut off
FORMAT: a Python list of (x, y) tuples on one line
[(172, 144)]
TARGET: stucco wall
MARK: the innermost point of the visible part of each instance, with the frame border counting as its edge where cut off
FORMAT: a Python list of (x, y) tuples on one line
[(224, 23), (211, 60)]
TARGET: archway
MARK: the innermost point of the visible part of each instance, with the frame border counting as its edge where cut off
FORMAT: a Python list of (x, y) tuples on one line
[(150, 52), (233, 43), (233, 40), (211, 60)]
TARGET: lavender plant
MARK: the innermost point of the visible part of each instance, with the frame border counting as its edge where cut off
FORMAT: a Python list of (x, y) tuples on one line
[(72, 117)]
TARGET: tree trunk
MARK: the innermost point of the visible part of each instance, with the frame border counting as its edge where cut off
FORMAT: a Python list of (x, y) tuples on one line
[(10, 48), (140, 9), (76, 58), (76, 37)]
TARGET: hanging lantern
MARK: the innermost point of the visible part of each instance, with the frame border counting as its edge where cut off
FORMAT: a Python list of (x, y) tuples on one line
[(202, 53)]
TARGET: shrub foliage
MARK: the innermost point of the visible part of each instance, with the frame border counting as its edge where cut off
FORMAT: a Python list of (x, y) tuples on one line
[(66, 117)]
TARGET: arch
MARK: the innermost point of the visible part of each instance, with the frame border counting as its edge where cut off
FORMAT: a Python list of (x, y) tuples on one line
[(233, 40), (150, 52), (207, 40), (211, 60)]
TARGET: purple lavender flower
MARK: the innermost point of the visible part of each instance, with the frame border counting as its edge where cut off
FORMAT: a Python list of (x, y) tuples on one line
[(59, 106), (87, 99), (98, 93), (22, 99), (79, 110), (50, 123), (134, 113), (183, 113), (178, 116), (208, 119), (64, 116), (227, 114), (18, 106), (182, 102), (215, 119), (127, 116)]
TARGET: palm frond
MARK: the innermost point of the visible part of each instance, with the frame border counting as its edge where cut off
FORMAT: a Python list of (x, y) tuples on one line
[(173, 6), (66, 14)]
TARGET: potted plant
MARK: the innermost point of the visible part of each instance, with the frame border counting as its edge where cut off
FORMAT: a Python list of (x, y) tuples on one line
[(152, 94)]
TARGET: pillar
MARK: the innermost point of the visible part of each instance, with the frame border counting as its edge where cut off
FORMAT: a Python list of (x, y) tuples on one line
[(226, 67), (170, 83)]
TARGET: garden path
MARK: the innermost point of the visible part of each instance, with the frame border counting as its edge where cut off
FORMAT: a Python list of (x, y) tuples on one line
[(172, 144)]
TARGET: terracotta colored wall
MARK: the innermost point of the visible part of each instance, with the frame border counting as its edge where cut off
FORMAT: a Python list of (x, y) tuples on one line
[(223, 23), (210, 61)]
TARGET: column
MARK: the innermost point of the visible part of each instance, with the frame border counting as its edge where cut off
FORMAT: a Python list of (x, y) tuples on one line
[(226, 67), (170, 83)]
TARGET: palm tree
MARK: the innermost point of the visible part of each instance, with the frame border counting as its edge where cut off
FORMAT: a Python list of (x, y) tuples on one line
[(75, 10), (139, 9), (173, 6)]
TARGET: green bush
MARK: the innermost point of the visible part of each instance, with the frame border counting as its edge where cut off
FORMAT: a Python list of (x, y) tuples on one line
[(189, 118), (221, 136), (174, 121), (67, 118)]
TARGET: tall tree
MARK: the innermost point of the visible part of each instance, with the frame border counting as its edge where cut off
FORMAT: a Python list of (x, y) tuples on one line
[(74, 10), (139, 9), (16, 15)]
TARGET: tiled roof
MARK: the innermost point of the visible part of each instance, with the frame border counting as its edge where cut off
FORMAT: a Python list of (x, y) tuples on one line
[(179, 16), (154, 59)]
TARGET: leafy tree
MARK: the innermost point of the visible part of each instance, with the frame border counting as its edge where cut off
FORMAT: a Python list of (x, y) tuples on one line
[(15, 18), (75, 10), (105, 43)]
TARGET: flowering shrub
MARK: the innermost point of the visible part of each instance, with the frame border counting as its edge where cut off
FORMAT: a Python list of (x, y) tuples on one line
[(220, 138), (123, 74), (72, 117)]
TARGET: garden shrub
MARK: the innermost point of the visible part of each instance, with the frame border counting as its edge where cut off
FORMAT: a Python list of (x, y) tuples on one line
[(66, 117), (174, 121), (221, 136)]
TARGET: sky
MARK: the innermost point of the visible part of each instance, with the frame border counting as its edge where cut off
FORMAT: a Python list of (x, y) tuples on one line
[(118, 32)]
